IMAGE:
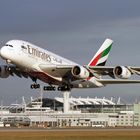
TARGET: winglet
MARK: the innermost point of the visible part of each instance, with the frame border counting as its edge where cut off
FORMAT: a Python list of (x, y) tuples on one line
[(102, 54)]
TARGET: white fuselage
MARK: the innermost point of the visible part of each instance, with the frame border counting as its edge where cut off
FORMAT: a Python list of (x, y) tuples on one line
[(29, 57)]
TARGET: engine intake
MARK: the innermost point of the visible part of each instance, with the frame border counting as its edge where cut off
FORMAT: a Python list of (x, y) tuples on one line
[(4, 73), (122, 72), (80, 72)]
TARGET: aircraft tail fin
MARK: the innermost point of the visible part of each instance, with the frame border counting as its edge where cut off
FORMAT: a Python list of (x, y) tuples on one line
[(102, 54)]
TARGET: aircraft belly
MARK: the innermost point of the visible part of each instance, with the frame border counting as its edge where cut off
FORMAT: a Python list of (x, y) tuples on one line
[(45, 78), (91, 83)]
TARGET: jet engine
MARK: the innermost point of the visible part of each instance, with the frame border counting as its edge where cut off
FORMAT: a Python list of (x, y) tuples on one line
[(122, 72), (4, 73), (80, 72)]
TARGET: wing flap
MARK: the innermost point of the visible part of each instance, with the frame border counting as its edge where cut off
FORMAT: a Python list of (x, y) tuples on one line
[(135, 70), (101, 70)]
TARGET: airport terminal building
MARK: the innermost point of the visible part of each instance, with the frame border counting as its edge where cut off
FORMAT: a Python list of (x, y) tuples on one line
[(83, 112)]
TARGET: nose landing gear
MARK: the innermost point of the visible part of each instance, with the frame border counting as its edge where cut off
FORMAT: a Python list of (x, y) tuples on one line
[(35, 86)]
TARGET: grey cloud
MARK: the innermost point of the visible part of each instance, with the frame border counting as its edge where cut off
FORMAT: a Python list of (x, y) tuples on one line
[(71, 28), (35, 16)]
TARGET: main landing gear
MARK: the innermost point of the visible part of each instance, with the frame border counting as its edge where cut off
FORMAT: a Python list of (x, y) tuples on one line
[(45, 88), (64, 88), (51, 88)]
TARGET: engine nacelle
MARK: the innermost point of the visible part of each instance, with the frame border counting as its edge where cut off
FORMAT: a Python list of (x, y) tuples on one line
[(80, 72), (122, 72), (4, 73)]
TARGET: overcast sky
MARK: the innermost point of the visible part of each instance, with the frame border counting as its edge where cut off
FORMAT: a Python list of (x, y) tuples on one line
[(74, 29)]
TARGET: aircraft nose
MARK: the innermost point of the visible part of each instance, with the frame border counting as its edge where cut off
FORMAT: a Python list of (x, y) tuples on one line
[(3, 52)]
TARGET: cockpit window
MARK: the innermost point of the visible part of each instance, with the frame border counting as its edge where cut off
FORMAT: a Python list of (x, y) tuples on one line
[(9, 45)]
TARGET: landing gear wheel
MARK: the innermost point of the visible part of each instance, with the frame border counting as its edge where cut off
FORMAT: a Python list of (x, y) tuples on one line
[(64, 88), (32, 86), (49, 88), (35, 86)]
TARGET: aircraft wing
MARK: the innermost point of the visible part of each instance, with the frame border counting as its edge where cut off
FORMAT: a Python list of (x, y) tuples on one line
[(56, 70), (117, 81), (108, 70), (65, 71)]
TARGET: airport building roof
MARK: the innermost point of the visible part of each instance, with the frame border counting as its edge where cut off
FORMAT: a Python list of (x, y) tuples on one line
[(87, 101)]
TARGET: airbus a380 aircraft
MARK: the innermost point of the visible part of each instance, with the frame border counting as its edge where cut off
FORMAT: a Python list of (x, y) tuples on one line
[(27, 60)]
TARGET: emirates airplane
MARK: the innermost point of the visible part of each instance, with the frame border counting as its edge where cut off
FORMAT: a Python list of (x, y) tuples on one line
[(27, 60)]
